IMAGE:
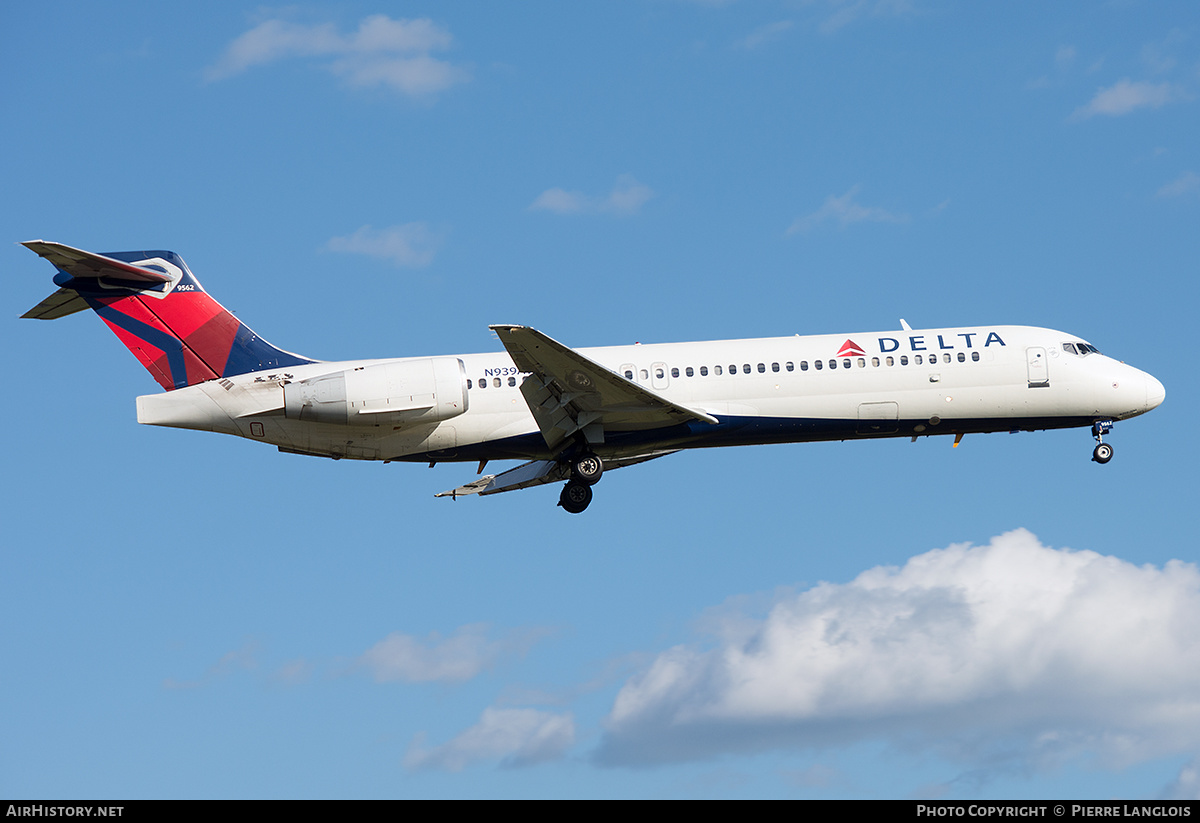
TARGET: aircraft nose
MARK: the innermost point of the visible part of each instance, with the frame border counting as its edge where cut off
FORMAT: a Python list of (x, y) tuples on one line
[(1155, 393)]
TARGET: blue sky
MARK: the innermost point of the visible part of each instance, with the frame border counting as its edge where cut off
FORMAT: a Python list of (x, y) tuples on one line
[(189, 615)]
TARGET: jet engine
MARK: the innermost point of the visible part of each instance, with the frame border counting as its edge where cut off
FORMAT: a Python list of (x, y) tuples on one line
[(420, 390)]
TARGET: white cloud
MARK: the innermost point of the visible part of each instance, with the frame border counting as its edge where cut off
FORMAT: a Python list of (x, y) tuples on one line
[(764, 35), (560, 201), (845, 12), (517, 737), (414, 76), (844, 211), (1186, 785), (1189, 181), (1162, 56), (1124, 97), (1064, 59), (412, 244), (294, 672), (1009, 653), (461, 656), (382, 52), (626, 198), (243, 659)]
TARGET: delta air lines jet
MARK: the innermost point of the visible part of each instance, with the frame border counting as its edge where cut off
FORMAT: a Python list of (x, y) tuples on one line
[(573, 414)]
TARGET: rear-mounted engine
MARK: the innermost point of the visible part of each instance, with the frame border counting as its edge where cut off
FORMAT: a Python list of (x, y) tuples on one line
[(424, 390)]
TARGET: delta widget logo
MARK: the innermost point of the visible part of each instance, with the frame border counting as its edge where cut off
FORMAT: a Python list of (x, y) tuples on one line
[(850, 349)]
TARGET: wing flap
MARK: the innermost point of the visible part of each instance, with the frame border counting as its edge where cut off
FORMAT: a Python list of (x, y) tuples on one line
[(537, 473), (533, 473)]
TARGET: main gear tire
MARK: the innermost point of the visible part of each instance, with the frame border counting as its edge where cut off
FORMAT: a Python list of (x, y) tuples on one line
[(587, 469), (575, 496)]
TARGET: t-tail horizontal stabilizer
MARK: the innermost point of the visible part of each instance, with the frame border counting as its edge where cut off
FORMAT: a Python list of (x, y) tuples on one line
[(155, 305)]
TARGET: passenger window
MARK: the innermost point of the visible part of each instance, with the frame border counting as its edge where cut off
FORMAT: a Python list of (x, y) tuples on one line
[(659, 374), (512, 381), (819, 364), (904, 360), (875, 362), (675, 372), (847, 363), (746, 368), (645, 374), (469, 385), (962, 358), (629, 374), (733, 368), (496, 382), (775, 367), (790, 366), (946, 357), (717, 371), (704, 371), (483, 383), (833, 364), (890, 361), (762, 368), (689, 372), (975, 356), (917, 359), (862, 362), (803, 365)]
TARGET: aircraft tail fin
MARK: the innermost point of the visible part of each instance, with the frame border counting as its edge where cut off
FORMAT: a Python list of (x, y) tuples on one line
[(157, 308)]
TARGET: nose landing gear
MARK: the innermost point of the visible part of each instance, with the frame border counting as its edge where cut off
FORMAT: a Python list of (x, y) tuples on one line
[(1103, 452)]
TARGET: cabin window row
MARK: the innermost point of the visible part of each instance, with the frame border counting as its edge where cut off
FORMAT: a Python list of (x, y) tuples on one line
[(903, 360), (716, 370), (761, 368), (818, 365), (482, 383)]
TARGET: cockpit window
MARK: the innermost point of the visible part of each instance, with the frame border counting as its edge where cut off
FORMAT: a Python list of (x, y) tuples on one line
[(1080, 348), (1069, 348)]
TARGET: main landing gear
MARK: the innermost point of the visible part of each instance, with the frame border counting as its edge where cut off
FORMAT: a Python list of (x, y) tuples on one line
[(585, 473), (1103, 452)]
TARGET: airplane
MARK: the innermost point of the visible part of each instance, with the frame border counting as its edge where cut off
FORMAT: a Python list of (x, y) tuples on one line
[(574, 414)]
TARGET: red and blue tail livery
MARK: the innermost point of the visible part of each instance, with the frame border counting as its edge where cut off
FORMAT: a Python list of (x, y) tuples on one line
[(573, 415), (159, 310)]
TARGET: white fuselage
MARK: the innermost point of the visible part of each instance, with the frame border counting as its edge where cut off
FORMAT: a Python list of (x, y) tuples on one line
[(783, 389)]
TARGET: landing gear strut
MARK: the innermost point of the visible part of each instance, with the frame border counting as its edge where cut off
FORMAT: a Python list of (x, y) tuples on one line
[(1103, 452), (575, 496)]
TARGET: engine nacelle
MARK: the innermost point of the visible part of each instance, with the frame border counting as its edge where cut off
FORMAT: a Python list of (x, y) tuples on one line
[(422, 390)]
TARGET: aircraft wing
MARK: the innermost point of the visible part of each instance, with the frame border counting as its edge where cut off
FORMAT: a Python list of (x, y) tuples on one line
[(570, 393), (80, 263), (536, 473)]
